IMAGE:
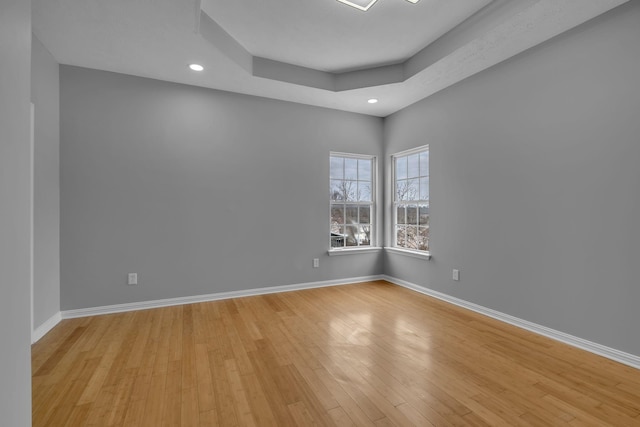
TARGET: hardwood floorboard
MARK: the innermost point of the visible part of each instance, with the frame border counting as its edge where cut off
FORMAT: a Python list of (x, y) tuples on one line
[(370, 354)]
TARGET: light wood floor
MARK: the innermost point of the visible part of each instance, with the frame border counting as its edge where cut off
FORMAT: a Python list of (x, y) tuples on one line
[(370, 354)]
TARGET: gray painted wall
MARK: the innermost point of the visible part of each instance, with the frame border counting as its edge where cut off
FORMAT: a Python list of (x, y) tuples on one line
[(15, 181), (198, 191), (45, 95), (535, 183), (534, 186)]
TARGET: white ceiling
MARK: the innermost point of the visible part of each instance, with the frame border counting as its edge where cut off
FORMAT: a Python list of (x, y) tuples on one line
[(330, 36), (257, 47)]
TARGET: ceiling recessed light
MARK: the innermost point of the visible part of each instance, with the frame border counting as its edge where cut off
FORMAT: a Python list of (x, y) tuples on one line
[(196, 67), (372, 101)]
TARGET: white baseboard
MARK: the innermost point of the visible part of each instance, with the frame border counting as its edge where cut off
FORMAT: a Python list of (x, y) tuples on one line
[(42, 330), (599, 349), (143, 305)]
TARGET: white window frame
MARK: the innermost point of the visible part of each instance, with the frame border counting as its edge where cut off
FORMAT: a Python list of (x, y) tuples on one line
[(343, 250), (395, 203)]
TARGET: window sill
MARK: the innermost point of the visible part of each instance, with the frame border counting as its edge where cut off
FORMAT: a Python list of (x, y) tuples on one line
[(353, 251), (409, 253)]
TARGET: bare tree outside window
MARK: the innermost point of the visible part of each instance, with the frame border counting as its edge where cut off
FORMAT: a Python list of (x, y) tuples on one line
[(411, 199), (352, 201)]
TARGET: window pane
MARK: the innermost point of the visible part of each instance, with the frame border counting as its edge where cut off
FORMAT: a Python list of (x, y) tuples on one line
[(423, 212), (365, 235), (350, 190), (364, 170), (336, 191), (351, 214), (412, 215), (365, 215), (351, 232), (402, 187), (412, 189), (413, 166), (423, 238), (401, 168), (424, 163), (337, 237), (412, 237), (364, 191), (401, 236), (336, 168), (401, 212), (336, 229), (424, 188), (350, 168), (407, 189), (337, 215)]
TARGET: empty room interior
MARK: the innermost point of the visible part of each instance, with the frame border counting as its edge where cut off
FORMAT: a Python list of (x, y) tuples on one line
[(218, 213)]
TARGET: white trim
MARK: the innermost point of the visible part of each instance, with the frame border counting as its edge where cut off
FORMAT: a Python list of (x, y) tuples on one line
[(352, 155), (599, 349), (42, 330), (608, 352), (410, 151), (144, 305), (394, 203), (408, 252), (354, 250), (373, 204)]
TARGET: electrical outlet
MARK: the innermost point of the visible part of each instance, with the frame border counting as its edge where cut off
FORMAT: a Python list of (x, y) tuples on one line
[(316, 262), (132, 279), (456, 275)]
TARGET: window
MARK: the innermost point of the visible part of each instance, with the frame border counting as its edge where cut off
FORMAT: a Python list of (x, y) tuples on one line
[(411, 199), (352, 195)]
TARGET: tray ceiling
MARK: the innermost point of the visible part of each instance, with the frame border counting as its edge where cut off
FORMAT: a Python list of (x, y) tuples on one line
[(316, 52)]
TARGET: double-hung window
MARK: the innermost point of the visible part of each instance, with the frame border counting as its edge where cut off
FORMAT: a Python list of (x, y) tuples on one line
[(352, 196), (411, 199)]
